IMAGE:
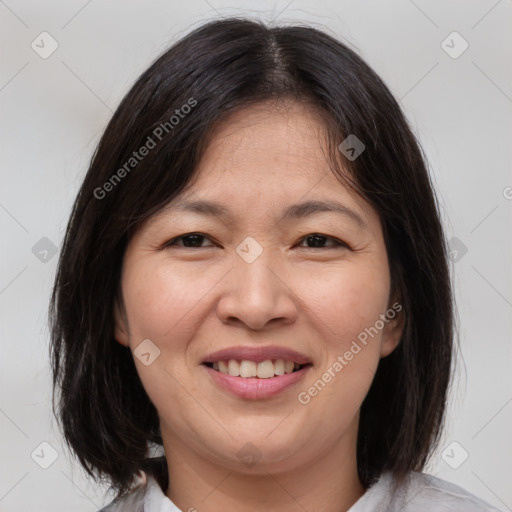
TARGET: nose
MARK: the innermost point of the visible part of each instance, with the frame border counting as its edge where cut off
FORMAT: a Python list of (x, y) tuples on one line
[(258, 294)]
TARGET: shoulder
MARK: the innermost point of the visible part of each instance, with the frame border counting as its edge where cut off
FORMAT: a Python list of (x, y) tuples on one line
[(131, 502), (419, 493), (426, 489), (422, 492), (147, 497)]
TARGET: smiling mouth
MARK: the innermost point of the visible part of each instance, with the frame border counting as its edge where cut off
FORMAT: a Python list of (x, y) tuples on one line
[(251, 369)]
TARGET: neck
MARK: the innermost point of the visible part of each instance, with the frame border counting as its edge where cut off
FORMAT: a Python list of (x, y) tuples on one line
[(327, 482)]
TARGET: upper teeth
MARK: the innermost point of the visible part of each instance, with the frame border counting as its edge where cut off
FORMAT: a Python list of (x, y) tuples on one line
[(263, 370)]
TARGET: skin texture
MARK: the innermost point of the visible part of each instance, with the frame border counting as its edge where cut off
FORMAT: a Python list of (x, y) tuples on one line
[(191, 301)]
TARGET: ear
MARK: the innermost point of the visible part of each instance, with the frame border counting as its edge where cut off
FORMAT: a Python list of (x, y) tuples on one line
[(393, 329), (121, 332)]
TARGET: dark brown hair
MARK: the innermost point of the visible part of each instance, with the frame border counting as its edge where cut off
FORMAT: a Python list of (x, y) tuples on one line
[(106, 416)]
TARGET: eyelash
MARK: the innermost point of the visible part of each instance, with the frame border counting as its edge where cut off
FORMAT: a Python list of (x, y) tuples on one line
[(339, 243)]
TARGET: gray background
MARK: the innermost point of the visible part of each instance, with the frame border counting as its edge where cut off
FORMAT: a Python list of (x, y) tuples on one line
[(54, 109)]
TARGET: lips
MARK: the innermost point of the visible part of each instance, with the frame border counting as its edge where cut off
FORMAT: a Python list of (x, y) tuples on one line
[(256, 372), (258, 355), (264, 370)]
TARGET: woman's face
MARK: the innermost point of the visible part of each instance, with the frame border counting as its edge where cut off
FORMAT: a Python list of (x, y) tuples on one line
[(269, 279)]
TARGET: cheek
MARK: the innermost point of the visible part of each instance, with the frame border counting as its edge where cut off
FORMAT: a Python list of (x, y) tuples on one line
[(348, 300), (348, 303), (161, 305), (161, 298)]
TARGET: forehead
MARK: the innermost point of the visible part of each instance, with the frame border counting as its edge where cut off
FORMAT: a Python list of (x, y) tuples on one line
[(264, 140), (269, 160), (274, 153)]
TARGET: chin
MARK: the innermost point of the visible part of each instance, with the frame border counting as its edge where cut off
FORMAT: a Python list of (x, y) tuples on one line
[(254, 452)]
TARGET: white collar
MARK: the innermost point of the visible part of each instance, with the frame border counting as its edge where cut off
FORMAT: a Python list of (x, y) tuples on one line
[(419, 492)]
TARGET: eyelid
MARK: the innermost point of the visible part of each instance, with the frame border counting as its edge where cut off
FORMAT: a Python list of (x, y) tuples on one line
[(337, 241), (172, 241)]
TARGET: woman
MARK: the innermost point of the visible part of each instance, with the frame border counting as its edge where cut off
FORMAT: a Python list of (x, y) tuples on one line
[(254, 281)]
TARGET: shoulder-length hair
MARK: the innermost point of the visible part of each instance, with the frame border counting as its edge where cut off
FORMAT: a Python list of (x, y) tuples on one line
[(105, 414)]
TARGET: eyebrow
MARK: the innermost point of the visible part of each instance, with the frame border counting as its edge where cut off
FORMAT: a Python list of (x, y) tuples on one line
[(294, 211)]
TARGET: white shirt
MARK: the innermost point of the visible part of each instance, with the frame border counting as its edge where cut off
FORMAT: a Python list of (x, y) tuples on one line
[(420, 493)]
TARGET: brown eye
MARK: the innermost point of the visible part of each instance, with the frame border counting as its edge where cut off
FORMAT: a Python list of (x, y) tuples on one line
[(190, 240), (317, 240)]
